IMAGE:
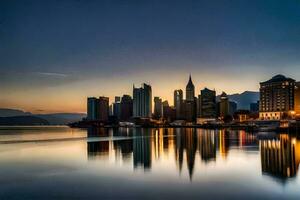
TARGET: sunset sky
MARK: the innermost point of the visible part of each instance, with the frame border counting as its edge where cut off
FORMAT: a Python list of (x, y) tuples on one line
[(53, 54)]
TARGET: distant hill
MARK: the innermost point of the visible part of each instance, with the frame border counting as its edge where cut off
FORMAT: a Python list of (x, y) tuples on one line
[(6, 112), (244, 99), (62, 118), (52, 119), (22, 121)]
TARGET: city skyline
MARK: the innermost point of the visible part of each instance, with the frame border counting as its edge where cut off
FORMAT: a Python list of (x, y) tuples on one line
[(53, 55)]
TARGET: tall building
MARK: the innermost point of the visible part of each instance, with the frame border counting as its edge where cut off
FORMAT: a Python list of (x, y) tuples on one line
[(117, 107), (199, 106), (92, 108), (190, 90), (224, 105), (158, 106), (190, 102), (98, 109), (142, 101), (178, 103), (126, 107), (297, 99), (276, 98), (103, 108), (208, 103)]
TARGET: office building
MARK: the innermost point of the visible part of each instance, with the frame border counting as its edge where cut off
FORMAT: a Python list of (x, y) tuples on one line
[(97, 109), (178, 103), (158, 106), (142, 101), (117, 107), (126, 107), (277, 98), (103, 108), (92, 108), (208, 103), (224, 105)]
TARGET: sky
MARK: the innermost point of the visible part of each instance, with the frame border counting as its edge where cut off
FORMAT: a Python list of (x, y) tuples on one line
[(53, 54)]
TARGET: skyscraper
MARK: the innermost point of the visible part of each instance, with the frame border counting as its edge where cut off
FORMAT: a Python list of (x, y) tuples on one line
[(224, 105), (92, 108), (276, 98), (208, 103), (98, 109), (117, 107), (190, 90), (103, 108), (190, 103), (126, 107), (142, 101), (157, 108), (178, 103)]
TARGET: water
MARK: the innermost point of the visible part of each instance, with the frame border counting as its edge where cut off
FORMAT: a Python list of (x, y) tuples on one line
[(64, 163)]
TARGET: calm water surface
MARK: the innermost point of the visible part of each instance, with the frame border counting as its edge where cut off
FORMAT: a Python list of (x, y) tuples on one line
[(64, 163)]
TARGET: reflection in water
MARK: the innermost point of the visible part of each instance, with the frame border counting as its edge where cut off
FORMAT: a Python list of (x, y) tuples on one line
[(280, 157)]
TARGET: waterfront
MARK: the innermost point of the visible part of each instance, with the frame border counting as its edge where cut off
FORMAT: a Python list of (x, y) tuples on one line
[(128, 163)]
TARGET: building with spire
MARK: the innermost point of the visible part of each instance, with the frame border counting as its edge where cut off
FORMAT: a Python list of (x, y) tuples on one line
[(190, 90), (190, 102)]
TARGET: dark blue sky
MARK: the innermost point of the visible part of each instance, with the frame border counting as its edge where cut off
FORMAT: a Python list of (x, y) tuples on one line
[(80, 48)]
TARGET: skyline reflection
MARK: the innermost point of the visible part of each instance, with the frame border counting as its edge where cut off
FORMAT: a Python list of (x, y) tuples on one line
[(280, 155)]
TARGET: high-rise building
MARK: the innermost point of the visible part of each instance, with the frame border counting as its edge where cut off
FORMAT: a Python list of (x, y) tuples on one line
[(276, 98), (208, 103), (92, 108), (117, 107), (126, 107), (190, 102), (224, 105), (190, 90), (158, 106), (103, 108), (142, 101), (178, 103), (98, 109), (297, 99), (199, 106)]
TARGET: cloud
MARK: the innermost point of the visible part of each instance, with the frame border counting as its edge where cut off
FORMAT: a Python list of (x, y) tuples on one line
[(52, 74)]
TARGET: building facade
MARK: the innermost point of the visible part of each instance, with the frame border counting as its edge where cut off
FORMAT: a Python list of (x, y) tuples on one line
[(142, 101), (126, 107), (98, 108), (178, 103), (92, 108), (224, 105), (208, 103), (276, 98), (103, 108), (158, 106)]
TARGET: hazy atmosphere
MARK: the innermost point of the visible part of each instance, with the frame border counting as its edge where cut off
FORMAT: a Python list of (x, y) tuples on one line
[(53, 54)]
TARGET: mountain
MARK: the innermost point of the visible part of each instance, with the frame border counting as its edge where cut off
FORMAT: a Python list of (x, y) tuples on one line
[(22, 121), (52, 119), (62, 118), (6, 112), (244, 99)]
